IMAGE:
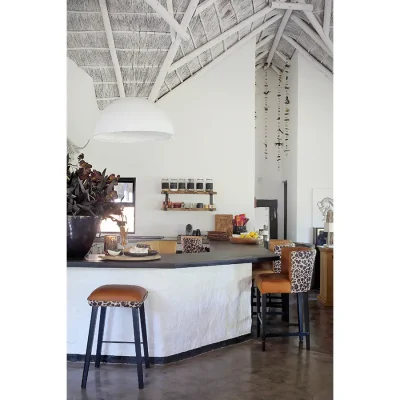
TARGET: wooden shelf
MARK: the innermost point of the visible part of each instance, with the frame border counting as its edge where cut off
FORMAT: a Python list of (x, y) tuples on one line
[(186, 192), (189, 209)]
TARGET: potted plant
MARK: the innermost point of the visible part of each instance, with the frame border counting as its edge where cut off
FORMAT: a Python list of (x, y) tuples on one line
[(90, 199)]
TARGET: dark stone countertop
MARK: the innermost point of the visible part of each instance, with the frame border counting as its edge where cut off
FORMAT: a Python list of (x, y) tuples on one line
[(221, 253)]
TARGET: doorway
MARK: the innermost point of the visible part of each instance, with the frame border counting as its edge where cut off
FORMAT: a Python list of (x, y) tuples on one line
[(272, 223)]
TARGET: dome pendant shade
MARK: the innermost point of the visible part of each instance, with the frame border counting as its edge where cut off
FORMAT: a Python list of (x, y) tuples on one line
[(133, 119)]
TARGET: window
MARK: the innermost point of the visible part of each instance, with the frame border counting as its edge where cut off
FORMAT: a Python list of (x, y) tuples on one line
[(126, 196)]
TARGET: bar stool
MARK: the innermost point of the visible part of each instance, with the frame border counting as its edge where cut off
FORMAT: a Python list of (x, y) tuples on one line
[(192, 244), (117, 296), (295, 277)]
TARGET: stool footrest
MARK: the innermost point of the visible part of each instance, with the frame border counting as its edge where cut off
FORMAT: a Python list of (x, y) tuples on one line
[(285, 334)]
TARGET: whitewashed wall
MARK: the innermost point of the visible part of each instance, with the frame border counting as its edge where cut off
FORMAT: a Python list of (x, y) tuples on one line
[(311, 165), (214, 120), (268, 179)]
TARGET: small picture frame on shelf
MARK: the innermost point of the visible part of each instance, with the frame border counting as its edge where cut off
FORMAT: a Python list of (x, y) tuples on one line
[(320, 236)]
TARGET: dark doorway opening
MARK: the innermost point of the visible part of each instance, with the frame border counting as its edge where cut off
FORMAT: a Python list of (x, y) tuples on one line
[(273, 215)]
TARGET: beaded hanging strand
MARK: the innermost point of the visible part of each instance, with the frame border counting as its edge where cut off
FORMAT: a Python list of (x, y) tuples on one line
[(279, 132), (266, 92), (287, 102)]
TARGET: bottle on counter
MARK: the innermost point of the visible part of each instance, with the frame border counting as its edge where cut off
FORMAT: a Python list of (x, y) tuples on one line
[(200, 184), (209, 185), (182, 184), (173, 184), (164, 184), (190, 184)]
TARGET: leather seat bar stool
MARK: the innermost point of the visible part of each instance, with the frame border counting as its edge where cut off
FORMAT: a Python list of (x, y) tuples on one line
[(117, 296), (297, 265), (275, 245)]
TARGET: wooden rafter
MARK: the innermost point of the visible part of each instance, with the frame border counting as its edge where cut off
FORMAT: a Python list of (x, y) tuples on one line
[(168, 18), (310, 32), (111, 45), (264, 41), (281, 56), (261, 56), (171, 11), (318, 28), (195, 53), (308, 56), (276, 69), (291, 6), (204, 5), (155, 90), (278, 36), (327, 17)]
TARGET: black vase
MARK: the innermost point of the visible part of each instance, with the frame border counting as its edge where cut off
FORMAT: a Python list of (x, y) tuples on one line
[(81, 232)]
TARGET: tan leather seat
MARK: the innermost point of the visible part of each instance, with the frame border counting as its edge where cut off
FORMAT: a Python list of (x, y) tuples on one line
[(118, 296), (273, 283), (262, 268)]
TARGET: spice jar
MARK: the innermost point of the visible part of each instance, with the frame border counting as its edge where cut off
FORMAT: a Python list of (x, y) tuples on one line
[(164, 184), (173, 185), (182, 184), (200, 184), (209, 185), (190, 184)]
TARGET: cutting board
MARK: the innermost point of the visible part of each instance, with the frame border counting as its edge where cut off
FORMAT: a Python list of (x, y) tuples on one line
[(128, 258), (223, 222)]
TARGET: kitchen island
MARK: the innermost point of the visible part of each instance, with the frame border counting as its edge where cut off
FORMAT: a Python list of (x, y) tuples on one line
[(196, 302)]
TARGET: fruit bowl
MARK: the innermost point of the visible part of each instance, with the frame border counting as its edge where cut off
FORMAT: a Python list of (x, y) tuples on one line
[(236, 239)]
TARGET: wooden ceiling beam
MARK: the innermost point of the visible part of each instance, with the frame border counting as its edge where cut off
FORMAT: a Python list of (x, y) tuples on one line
[(276, 69), (264, 41), (168, 18), (155, 90), (308, 56), (318, 28), (111, 45), (327, 17), (195, 53), (278, 35), (292, 6), (310, 32)]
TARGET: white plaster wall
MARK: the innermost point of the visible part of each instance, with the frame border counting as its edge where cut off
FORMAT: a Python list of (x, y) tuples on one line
[(214, 121), (186, 308), (268, 179), (311, 165)]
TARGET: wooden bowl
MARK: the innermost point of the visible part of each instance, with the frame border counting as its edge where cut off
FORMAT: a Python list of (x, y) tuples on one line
[(239, 240)]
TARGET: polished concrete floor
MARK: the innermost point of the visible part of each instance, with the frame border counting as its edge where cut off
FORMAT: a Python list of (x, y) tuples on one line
[(239, 372)]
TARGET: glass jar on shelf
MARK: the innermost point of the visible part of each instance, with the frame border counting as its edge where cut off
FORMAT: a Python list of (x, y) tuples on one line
[(190, 184), (200, 184), (182, 184), (209, 185), (164, 184), (173, 184)]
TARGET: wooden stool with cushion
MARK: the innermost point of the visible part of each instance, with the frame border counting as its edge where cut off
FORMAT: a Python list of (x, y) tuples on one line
[(192, 244), (295, 277), (117, 296)]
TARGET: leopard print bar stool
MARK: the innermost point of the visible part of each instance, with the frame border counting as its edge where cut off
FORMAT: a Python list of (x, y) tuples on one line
[(297, 265), (117, 296)]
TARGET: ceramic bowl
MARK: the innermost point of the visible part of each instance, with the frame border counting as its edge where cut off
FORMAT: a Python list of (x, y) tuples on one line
[(114, 252)]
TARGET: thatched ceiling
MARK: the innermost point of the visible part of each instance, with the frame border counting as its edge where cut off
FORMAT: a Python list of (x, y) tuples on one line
[(142, 40)]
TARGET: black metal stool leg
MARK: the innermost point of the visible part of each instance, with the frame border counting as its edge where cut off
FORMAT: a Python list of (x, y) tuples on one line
[(285, 307), (144, 335), (89, 346), (258, 310), (306, 319), (138, 350), (100, 337), (300, 314), (264, 319)]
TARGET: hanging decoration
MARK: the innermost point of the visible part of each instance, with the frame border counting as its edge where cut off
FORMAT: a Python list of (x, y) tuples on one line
[(279, 132), (286, 115), (266, 92)]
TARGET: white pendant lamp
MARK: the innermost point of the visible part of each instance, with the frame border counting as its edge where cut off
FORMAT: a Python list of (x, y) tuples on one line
[(133, 119)]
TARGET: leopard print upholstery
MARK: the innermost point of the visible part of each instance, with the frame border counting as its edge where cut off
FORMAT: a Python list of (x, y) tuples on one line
[(278, 251), (107, 303), (192, 244), (301, 270)]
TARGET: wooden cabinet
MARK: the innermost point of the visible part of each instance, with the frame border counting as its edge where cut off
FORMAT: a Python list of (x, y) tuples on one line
[(326, 276)]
